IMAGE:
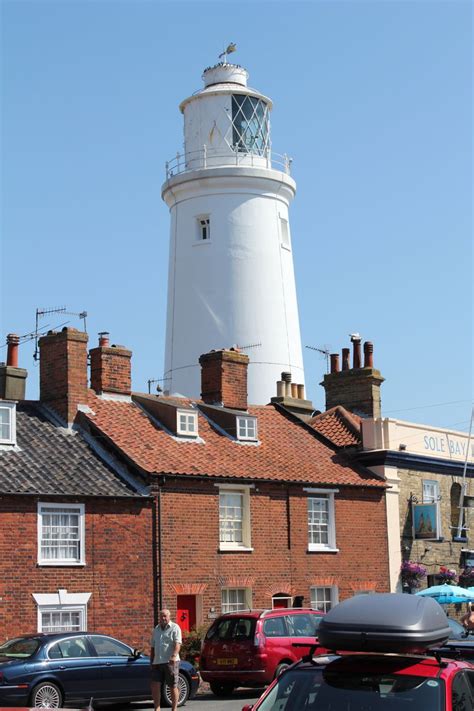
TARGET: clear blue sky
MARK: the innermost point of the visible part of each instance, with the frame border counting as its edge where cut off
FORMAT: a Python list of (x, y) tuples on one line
[(371, 99)]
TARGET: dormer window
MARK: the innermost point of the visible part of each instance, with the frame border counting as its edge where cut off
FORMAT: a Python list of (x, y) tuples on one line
[(7, 423), (247, 428), (187, 423)]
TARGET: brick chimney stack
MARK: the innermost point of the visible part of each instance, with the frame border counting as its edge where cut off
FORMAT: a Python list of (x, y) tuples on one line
[(357, 388), (224, 378), (111, 371), (12, 378), (63, 371)]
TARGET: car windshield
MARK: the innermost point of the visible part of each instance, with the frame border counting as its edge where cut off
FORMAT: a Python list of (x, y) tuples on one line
[(19, 648), (313, 689)]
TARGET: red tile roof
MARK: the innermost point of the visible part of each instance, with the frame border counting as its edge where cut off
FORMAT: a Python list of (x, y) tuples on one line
[(287, 449), (338, 425)]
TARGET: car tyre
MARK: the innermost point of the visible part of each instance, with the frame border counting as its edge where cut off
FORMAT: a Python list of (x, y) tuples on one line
[(184, 688), (220, 689), (281, 667), (47, 696)]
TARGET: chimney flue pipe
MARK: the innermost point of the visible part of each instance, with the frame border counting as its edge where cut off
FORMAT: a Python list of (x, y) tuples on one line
[(12, 352), (368, 354), (335, 363), (357, 355), (345, 358)]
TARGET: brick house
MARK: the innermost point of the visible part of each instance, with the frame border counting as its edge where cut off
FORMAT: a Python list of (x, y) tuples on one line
[(238, 506), (70, 519), (425, 468)]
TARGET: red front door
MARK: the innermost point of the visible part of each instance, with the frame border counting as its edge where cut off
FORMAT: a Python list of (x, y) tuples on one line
[(186, 613)]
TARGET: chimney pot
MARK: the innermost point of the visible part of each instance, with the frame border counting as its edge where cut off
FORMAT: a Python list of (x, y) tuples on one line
[(280, 388), (294, 390), (357, 358), (104, 339), (368, 354), (286, 377), (12, 352), (300, 392), (345, 358), (335, 363)]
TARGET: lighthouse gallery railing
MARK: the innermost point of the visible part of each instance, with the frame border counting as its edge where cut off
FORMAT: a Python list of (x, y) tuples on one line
[(206, 158)]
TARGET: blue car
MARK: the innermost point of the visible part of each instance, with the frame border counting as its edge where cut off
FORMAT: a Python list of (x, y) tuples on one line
[(49, 670)]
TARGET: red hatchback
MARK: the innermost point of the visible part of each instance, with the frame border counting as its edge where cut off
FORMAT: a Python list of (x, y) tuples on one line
[(251, 648), (382, 682)]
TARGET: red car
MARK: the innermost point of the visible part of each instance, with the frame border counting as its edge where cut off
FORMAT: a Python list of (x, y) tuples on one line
[(390, 664), (250, 648)]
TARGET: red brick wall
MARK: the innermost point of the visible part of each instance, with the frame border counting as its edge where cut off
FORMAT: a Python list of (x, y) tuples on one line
[(111, 370), (63, 371), (118, 570), (191, 544), (224, 378)]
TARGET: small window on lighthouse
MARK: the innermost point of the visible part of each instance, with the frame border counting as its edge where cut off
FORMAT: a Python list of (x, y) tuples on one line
[(204, 228), (284, 233)]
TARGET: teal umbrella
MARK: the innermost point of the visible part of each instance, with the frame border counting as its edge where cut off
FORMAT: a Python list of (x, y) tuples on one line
[(446, 594)]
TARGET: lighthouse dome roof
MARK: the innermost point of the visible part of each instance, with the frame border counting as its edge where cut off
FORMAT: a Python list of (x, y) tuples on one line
[(225, 78)]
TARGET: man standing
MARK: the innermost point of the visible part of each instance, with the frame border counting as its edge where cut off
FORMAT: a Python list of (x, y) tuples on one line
[(164, 659)]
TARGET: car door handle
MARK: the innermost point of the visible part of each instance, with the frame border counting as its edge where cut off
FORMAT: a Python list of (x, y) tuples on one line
[(61, 666), (108, 664)]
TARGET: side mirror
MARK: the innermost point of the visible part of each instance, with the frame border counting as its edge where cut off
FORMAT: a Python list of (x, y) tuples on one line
[(137, 653)]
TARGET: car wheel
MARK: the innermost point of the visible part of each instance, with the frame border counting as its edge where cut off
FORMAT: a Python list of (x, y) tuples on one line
[(219, 689), (184, 688), (281, 667), (47, 696)]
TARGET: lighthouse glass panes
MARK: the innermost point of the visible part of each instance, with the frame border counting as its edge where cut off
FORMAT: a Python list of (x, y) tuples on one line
[(250, 124)]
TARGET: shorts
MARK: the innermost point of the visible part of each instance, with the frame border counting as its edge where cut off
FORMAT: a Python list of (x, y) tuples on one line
[(167, 673)]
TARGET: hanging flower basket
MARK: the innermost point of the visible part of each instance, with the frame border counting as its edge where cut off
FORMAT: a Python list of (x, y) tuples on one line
[(412, 574), (448, 575)]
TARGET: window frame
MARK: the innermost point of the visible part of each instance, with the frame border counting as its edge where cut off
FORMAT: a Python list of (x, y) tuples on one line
[(285, 237), (203, 223), (62, 601), (247, 594), (44, 609), (80, 508), (246, 419), (184, 431), (246, 543), (329, 495), (432, 498), (10, 407), (333, 597)]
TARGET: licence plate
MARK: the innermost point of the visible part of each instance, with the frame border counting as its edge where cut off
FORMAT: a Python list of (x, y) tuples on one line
[(229, 662)]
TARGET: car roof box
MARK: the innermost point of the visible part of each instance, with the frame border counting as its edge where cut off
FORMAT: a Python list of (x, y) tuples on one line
[(384, 622)]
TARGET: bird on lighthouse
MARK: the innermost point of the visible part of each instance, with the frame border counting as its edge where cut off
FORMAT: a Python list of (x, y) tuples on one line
[(231, 277)]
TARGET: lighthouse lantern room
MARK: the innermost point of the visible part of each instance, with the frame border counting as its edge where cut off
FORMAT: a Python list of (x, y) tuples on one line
[(231, 278)]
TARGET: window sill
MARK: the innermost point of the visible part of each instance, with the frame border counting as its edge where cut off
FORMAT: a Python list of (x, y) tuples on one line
[(60, 564), (235, 549), (322, 550)]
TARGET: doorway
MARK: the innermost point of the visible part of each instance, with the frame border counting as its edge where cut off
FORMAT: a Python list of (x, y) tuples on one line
[(186, 613)]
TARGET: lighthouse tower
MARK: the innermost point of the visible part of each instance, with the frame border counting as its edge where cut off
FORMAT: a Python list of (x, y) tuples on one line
[(231, 278)]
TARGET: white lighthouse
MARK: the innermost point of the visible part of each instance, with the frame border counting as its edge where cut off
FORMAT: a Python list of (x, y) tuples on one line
[(231, 278)]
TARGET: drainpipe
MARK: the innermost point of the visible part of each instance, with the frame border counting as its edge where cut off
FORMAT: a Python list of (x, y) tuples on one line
[(157, 553)]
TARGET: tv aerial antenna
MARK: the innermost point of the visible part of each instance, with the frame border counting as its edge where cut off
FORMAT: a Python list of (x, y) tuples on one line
[(324, 352), (55, 310)]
